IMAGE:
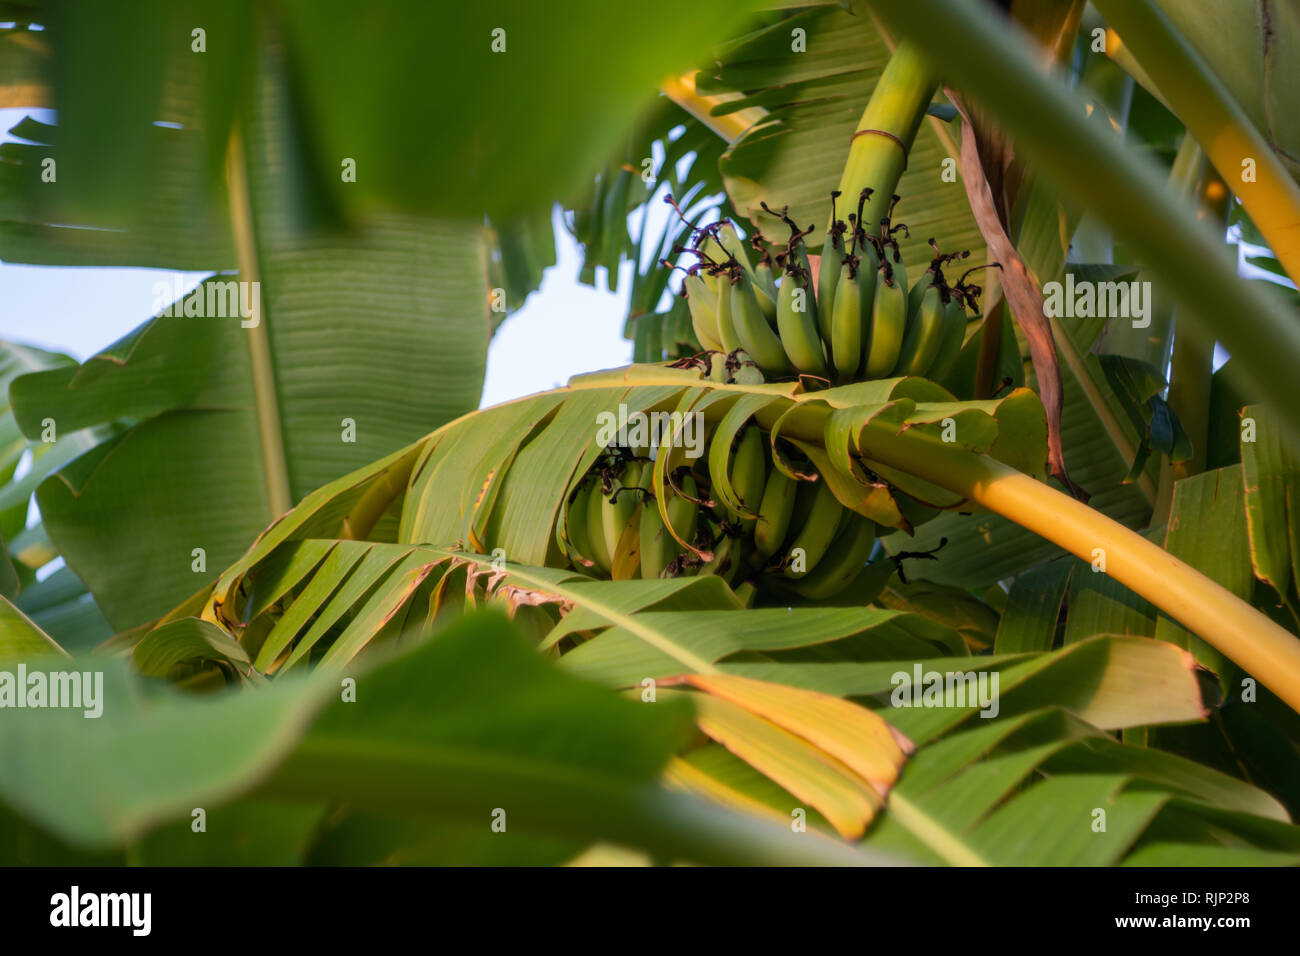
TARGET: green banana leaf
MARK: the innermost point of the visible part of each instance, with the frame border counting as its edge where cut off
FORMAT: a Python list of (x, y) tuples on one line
[(371, 336), (59, 604), (471, 728), (766, 679), (114, 73), (1045, 788), (694, 632)]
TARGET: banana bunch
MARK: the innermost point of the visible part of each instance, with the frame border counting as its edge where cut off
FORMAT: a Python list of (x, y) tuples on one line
[(735, 512), (854, 319)]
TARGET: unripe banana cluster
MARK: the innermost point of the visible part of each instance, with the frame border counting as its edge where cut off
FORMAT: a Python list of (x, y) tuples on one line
[(857, 321), (734, 512)]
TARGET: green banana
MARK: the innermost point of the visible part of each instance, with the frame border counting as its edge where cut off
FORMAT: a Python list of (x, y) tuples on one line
[(656, 550), (684, 508), (703, 304), (828, 278), (756, 336), (658, 547), (726, 326), (683, 340), (868, 281), (627, 558), (736, 248), (733, 247), (725, 562), (954, 335), (867, 263), (718, 369), (918, 289), (828, 275), (797, 257), (748, 471), (872, 580), (774, 512), (766, 303), (749, 476), (924, 337), (798, 327), (595, 531), (814, 535), (575, 526), (888, 322), (765, 286), (843, 560), (846, 322), (615, 514)]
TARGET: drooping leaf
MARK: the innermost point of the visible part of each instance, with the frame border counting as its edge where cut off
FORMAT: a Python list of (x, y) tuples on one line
[(1035, 788), (182, 641), (560, 757), (197, 445)]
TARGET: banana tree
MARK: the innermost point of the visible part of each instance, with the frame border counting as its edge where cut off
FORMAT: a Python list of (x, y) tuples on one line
[(956, 621)]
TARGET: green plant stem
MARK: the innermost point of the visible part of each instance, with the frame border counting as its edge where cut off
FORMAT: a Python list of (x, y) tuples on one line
[(884, 137), (992, 64), (1199, 98), (275, 465), (1262, 648)]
